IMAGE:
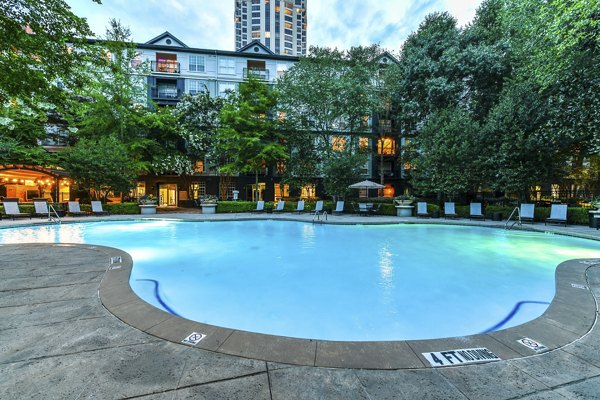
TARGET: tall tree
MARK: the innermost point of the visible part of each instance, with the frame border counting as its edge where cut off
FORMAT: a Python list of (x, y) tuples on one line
[(248, 137), (37, 38), (101, 166)]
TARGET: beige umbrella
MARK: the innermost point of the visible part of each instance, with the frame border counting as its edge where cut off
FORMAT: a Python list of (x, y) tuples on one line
[(366, 185)]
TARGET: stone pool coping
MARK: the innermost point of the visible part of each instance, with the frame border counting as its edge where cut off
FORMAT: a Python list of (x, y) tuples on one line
[(571, 315)]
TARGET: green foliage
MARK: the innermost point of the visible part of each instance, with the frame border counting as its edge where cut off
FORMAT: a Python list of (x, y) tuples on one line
[(33, 59), (101, 165), (248, 137), (446, 153), (326, 94), (235, 206), (121, 208), (343, 168)]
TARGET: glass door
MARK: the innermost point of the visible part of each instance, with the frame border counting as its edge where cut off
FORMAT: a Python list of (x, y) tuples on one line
[(167, 195)]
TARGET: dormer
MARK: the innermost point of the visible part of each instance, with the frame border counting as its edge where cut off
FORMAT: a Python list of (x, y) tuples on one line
[(166, 39), (255, 47), (385, 59)]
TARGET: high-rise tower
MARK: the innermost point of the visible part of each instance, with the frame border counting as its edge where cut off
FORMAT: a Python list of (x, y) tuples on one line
[(279, 25)]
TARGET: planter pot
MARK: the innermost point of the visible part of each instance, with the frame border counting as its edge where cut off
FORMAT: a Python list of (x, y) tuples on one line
[(403, 202), (404, 211), (147, 208), (209, 208)]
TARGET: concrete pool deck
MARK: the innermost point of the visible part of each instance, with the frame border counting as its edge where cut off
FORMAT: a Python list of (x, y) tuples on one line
[(57, 340)]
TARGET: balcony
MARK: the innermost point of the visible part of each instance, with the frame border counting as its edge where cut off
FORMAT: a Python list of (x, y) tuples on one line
[(260, 73), (165, 67), (166, 94)]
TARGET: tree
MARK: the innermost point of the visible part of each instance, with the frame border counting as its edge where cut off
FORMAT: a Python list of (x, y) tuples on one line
[(327, 96), (37, 38), (101, 166), (248, 137), (446, 154)]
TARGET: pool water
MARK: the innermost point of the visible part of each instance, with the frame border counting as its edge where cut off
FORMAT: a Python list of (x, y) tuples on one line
[(334, 282)]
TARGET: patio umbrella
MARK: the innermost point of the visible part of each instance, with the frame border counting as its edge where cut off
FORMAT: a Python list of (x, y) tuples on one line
[(366, 185)]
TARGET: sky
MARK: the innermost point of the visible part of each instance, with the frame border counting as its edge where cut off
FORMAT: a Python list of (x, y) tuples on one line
[(209, 24)]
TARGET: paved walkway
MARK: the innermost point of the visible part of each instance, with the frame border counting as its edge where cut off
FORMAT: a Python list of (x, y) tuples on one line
[(58, 341)]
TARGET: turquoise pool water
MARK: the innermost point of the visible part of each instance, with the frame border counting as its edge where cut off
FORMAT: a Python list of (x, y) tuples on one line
[(334, 282)]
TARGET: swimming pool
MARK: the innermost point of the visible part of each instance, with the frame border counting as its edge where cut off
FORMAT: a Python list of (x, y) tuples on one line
[(334, 282)]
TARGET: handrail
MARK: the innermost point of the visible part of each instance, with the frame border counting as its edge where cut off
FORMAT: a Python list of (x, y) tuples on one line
[(318, 215), (53, 218), (517, 221)]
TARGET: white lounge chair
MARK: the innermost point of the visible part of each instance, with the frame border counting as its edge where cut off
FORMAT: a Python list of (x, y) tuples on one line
[(279, 207), (449, 210), (300, 206), (97, 208), (558, 214), (422, 210), (527, 212), (260, 206), (11, 208), (339, 207), (475, 211), (75, 209), (319, 206), (41, 207)]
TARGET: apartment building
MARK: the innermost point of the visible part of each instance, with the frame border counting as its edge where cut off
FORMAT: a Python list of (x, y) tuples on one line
[(176, 69), (279, 25)]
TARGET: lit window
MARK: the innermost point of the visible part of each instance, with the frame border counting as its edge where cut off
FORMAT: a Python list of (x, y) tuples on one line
[(256, 35), (363, 143), (199, 166), (281, 191), (308, 191), (267, 34), (386, 146), (280, 167), (338, 143), (281, 115)]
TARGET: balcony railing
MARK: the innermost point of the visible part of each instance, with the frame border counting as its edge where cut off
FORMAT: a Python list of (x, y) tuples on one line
[(259, 73), (166, 93), (165, 67)]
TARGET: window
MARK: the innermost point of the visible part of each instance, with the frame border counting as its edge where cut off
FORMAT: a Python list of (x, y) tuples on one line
[(227, 66), (196, 86), (386, 146), (255, 35), (224, 87), (196, 63), (338, 143), (199, 166), (198, 190), (281, 191), (308, 191), (363, 143)]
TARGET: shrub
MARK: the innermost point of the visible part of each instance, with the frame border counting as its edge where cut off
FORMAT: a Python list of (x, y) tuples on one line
[(119, 208)]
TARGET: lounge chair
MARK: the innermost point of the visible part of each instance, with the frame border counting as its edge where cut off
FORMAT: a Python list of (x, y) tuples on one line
[(449, 211), (363, 208), (41, 208), (339, 207), (300, 206), (260, 206), (475, 212), (319, 206), (527, 212), (279, 207), (422, 210), (74, 210), (558, 214), (374, 208), (97, 208), (11, 208)]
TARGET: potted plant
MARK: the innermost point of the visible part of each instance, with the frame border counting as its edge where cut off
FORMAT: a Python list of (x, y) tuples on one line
[(208, 204), (147, 204), (403, 200)]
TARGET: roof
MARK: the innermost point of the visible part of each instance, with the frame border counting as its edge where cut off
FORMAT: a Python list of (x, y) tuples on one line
[(257, 46), (166, 36)]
